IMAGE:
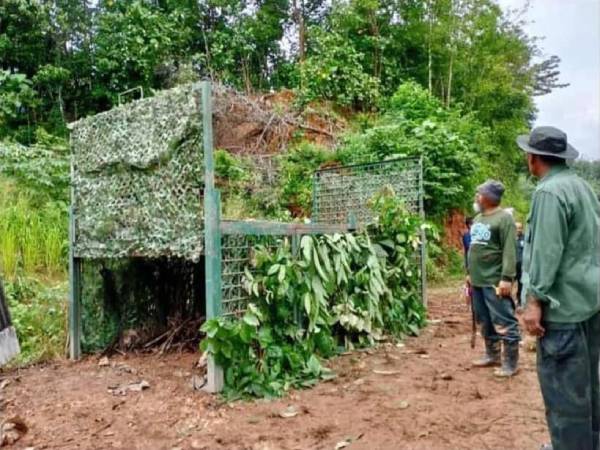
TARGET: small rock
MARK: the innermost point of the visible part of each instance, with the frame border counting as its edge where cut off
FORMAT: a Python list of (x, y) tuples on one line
[(12, 430), (386, 372), (289, 412), (358, 381), (202, 361), (446, 376), (140, 386), (125, 368), (198, 382), (403, 404), (104, 362), (196, 445), (134, 387), (342, 444)]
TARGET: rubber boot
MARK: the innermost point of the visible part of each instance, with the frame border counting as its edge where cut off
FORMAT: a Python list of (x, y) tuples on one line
[(510, 360), (492, 355)]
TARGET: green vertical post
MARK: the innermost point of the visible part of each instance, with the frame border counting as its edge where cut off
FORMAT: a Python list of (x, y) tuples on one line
[(295, 253), (314, 214), (352, 222), (74, 293), (423, 235), (212, 234)]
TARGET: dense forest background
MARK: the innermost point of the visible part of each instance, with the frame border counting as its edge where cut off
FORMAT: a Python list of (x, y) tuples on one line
[(451, 80)]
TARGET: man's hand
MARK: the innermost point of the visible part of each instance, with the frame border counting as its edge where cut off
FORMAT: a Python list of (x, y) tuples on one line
[(531, 317), (505, 289)]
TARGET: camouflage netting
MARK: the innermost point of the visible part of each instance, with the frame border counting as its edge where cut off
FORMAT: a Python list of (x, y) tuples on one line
[(138, 179), (138, 183)]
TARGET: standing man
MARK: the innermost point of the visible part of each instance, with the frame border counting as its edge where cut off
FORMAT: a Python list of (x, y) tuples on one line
[(492, 263), (520, 246), (561, 290)]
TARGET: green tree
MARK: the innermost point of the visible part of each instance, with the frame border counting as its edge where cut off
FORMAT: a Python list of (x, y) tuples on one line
[(135, 45), (334, 71)]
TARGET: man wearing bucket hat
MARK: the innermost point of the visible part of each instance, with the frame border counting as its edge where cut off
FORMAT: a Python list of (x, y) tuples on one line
[(561, 290), (492, 268)]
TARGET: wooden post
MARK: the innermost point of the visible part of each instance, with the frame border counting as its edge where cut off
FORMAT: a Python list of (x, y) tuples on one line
[(74, 293), (212, 234)]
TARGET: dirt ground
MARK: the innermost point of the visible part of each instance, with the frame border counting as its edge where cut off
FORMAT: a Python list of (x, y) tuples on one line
[(420, 395)]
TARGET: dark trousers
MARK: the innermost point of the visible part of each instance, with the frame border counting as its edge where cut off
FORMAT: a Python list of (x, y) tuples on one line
[(496, 315), (519, 284), (568, 357)]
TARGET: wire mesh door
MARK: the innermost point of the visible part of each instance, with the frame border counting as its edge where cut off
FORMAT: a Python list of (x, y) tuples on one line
[(343, 191)]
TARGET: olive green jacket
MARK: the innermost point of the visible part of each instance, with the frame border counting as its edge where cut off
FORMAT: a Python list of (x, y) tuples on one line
[(561, 258)]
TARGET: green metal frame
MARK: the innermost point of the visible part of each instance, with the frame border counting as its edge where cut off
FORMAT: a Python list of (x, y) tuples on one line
[(217, 231)]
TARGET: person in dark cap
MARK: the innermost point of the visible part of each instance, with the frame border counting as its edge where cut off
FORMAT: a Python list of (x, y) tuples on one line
[(492, 269), (561, 290)]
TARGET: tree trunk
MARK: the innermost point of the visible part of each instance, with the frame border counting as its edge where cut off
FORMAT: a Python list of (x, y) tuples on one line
[(429, 57), (299, 18), (246, 75), (449, 88), (301, 33), (61, 105)]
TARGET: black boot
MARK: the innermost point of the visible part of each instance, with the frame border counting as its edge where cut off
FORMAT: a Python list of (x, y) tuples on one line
[(492, 355), (510, 360)]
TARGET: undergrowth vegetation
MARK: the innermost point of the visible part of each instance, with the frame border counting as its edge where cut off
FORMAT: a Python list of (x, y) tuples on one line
[(337, 292), (39, 314)]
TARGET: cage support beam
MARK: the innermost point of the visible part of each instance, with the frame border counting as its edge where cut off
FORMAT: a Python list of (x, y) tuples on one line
[(212, 234), (74, 293), (267, 228), (423, 236)]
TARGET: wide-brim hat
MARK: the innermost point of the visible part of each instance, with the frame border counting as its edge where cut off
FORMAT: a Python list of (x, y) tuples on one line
[(548, 141)]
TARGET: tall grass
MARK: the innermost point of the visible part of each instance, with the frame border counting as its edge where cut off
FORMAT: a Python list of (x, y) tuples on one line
[(33, 237)]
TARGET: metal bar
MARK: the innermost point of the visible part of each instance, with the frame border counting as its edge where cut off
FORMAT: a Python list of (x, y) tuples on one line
[(423, 236), (266, 228), (366, 165), (295, 251), (207, 137), (212, 234), (74, 293), (314, 213), (128, 91)]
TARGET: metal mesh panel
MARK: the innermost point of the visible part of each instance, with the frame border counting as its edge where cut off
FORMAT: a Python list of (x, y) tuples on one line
[(237, 253), (138, 179), (340, 191)]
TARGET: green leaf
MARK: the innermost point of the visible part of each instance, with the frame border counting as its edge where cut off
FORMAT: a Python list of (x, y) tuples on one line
[(281, 275), (307, 303), (251, 320), (320, 270), (306, 244)]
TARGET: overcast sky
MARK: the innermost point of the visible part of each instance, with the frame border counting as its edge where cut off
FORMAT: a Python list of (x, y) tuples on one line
[(572, 31)]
